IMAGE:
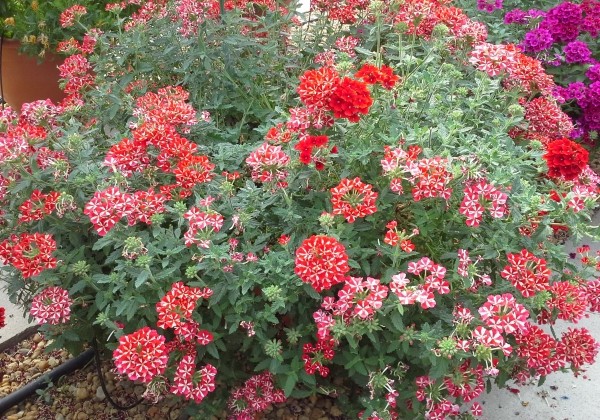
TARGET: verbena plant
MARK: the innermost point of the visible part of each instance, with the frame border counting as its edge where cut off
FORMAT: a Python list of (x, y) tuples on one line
[(243, 207)]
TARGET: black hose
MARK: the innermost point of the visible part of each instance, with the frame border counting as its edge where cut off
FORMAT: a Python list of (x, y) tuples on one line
[(103, 383), (69, 366)]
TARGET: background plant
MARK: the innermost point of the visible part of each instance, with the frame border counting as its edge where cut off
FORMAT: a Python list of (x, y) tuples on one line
[(564, 37), (380, 212)]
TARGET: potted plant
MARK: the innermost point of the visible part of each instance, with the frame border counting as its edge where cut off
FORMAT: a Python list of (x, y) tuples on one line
[(33, 35)]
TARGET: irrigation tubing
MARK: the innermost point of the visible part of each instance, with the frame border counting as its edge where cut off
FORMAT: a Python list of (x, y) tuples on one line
[(69, 366)]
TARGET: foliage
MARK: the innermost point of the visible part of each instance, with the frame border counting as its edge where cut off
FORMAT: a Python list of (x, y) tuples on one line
[(39, 26), (242, 199)]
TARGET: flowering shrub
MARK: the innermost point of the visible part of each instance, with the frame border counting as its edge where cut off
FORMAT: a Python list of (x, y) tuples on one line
[(380, 213), (564, 37)]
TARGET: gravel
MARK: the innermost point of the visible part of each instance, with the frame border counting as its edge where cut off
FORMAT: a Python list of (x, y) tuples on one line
[(79, 396)]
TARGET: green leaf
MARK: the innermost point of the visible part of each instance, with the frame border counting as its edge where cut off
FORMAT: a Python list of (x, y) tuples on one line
[(212, 350), (289, 384), (142, 278)]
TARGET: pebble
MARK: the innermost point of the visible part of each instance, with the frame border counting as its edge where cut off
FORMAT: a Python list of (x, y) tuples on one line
[(335, 411), (81, 394), (42, 365), (53, 361), (100, 394), (81, 416)]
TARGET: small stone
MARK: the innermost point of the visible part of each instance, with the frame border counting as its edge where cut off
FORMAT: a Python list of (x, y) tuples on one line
[(53, 361), (36, 338), (100, 394), (280, 413), (81, 416), (153, 411), (59, 417), (316, 414), (313, 399), (42, 365), (81, 394), (335, 411)]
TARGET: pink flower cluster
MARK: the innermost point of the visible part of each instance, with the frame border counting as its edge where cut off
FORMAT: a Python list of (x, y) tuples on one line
[(268, 164), (192, 384), (434, 281), (202, 226), (477, 196)]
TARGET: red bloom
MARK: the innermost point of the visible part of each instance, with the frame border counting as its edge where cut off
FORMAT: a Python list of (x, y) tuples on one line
[(141, 355), (178, 304), (316, 86), (371, 74), (527, 273), (322, 262), (29, 253), (2, 317), (353, 198), (577, 347), (565, 159), (349, 99), (38, 206)]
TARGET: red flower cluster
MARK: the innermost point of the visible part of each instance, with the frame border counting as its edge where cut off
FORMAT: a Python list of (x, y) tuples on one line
[(186, 382), (31, 253), (393, 237), (527, 273), (371, 74), (254, 397), (353, 198), (141, 355), (538, 350), (2, 317), (178, 304), (38, 206), (268, 163), (349, 99), (51, 306), (317, 86), (565, 159), (546, 119), (322, 262), (577, 347), (167, 106), (315, 356), (307, 146), (503, 313), (476, 195)]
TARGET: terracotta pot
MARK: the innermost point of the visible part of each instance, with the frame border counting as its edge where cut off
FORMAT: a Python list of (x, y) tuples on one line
[(26, 80)]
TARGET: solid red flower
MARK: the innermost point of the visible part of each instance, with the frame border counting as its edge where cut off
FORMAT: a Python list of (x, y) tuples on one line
[(565, 159), (2, 317), (349, 99), (353, 198), (141, 355), (322, 262)]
